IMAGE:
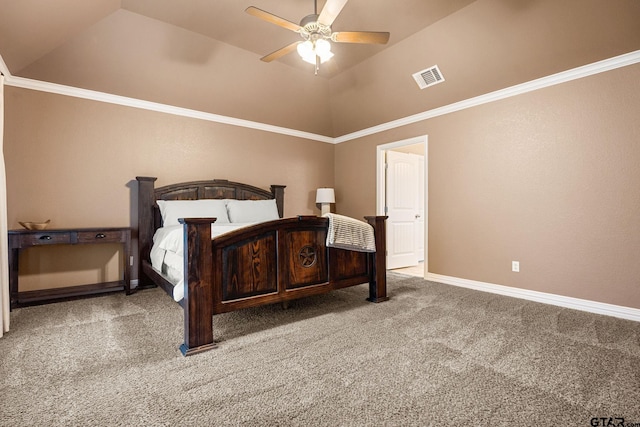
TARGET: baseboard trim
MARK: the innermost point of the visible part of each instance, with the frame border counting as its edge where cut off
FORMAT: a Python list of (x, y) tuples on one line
[(543, 297)]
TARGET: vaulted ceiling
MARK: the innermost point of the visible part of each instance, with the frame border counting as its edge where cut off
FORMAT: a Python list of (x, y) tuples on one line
[(223, 20), (205, 55)]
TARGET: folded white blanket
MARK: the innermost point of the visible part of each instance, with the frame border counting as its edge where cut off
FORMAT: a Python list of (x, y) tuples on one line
[(349, 233)]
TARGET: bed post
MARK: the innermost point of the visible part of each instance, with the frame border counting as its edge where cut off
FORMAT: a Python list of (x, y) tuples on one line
[(278, 194), (198, 292), (378, 278), (146, 200)]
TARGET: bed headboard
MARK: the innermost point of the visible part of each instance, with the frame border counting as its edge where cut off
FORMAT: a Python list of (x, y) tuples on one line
[(149, 219)]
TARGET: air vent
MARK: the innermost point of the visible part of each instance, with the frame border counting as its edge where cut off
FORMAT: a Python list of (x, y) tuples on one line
[(429, 77)]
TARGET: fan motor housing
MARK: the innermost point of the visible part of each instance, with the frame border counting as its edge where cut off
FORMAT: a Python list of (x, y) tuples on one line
[(312, 29), (309, 19)]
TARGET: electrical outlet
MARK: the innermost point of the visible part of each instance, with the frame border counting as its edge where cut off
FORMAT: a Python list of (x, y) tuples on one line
[(515, 266)]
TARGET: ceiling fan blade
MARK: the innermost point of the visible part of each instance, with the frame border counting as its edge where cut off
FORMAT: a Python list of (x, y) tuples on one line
[(372, 37), (330, 11), (281, 52), (270, 17)]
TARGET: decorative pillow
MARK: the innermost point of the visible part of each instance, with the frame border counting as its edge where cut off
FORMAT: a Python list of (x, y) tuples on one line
[(171, 210), (252, 210)]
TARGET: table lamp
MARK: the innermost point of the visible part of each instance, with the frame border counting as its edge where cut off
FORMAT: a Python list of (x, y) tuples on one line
[(325, 196)]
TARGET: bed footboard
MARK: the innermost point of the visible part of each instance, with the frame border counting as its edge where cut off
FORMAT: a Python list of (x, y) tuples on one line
[(268, 263)]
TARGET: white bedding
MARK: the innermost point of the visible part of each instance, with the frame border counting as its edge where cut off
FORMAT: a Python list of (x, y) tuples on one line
[(167, 252)]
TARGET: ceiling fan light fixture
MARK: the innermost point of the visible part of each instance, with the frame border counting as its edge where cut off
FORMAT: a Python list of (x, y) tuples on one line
[(323, 47), (325, 57), (316, 33), (305, 50), (308, 51)]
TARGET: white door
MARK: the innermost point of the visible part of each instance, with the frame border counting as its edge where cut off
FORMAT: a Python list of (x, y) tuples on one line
[(420, 237), (403, 209)]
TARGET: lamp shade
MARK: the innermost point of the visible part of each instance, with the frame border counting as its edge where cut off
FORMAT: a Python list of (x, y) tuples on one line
[(325, 195)]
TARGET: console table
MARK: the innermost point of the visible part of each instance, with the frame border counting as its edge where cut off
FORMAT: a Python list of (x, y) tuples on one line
[(20, 240)]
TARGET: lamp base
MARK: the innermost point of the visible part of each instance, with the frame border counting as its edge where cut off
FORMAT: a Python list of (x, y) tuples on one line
[(325, 208)]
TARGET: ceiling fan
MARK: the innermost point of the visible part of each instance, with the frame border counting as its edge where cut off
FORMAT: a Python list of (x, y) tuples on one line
[(316, 34)]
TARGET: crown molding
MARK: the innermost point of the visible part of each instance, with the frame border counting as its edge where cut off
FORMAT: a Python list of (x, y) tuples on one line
[(541, 83), (554, 79), (93, 95), (3, 68)]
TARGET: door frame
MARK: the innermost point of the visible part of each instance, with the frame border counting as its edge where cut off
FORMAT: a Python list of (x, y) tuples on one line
[(381, 184)]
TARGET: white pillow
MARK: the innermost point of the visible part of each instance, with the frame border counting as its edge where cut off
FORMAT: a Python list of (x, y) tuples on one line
[(252, 210), (171, 210)]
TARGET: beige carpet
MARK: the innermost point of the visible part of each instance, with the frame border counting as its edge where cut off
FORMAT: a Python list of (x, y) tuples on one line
[(433, 355)]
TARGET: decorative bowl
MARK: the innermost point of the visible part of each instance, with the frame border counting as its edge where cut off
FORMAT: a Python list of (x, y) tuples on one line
[(30, 225)]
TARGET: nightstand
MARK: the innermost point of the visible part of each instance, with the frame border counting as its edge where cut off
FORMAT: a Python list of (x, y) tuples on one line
[(20, 240)]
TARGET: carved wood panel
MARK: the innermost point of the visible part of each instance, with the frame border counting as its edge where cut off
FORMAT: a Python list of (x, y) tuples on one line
[(249, 268), (306, 257), (348, 263), (181, 194), (218, 192)]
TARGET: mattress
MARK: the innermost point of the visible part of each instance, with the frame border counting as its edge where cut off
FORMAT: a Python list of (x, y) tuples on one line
[(167, 252)]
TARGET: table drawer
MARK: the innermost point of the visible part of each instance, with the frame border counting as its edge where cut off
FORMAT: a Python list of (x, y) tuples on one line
[(44, 238), (101, 236)]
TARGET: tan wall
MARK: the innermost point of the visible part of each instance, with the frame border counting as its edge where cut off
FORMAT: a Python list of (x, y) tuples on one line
[(548, 178), (75, 161)]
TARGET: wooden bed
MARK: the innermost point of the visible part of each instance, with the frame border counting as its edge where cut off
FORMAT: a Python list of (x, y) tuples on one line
[(271, 262)]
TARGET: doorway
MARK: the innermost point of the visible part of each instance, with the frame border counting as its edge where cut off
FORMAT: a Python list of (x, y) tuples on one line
[(402, 178)]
